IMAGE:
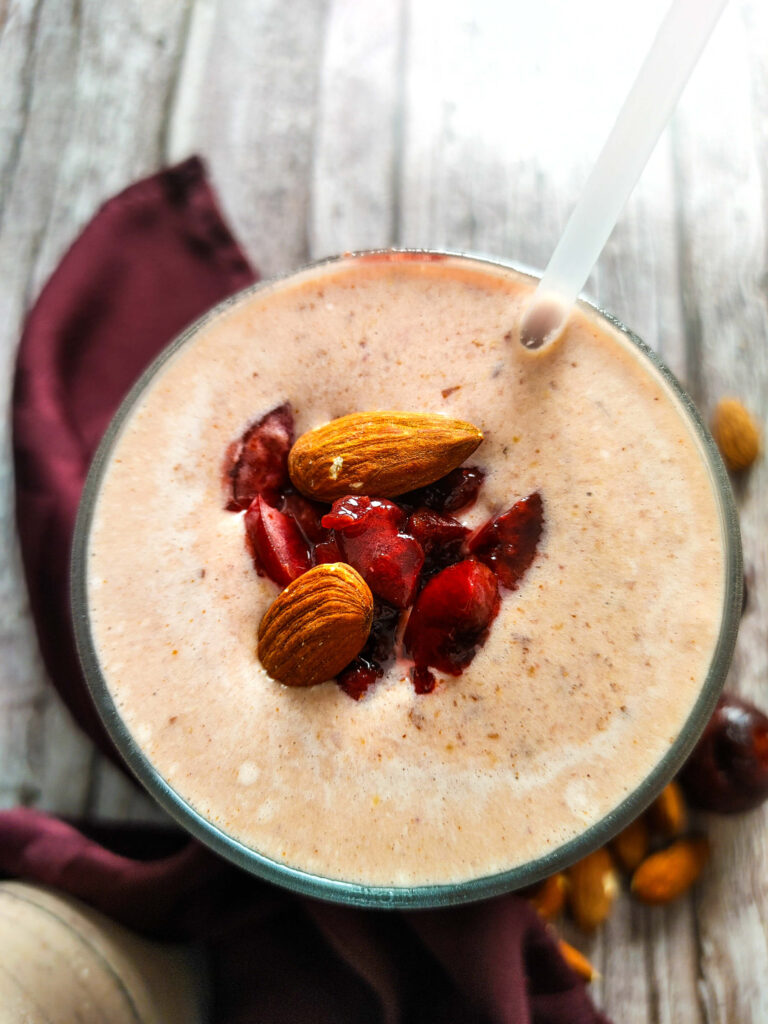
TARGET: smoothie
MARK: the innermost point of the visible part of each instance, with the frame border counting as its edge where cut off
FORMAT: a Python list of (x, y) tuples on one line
[(592, 666)]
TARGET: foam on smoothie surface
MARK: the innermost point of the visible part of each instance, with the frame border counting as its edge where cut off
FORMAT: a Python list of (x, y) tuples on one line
[(589, 671)]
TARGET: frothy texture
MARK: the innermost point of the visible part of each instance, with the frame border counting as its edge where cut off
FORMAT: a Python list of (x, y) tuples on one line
[(590, 670)]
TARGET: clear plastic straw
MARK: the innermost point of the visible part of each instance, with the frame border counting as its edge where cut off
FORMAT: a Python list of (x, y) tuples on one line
[(649, 105)]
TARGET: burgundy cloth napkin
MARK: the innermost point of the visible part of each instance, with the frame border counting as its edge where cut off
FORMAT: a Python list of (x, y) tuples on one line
[(153, 259)]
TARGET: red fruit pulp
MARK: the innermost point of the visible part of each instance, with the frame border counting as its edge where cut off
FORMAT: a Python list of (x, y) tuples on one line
[(276, 543), (258, 462), (356, 514), (368, 666), (507, 543), (451, 617), (356, 678), (367, 532), (307, 514), (456, 490)]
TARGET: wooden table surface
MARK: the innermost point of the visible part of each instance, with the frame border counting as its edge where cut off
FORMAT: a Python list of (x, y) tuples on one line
[(339, 124)]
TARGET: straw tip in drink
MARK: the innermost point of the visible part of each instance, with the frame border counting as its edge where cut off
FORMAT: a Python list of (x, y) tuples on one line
[(542, 321)]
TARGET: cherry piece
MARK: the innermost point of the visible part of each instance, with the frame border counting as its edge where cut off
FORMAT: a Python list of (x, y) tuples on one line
[(276, 543), (367, 532), (258, 462), (456, 490), (431, 529), (440, 536), (356, 514), (357, 678), (507, 543), (728, 769), (451, 617), (379, 647), (328, 551), (423, 680), (307, 514)]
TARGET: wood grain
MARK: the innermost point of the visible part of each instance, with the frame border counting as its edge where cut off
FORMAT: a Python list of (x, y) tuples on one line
[(333, 124)]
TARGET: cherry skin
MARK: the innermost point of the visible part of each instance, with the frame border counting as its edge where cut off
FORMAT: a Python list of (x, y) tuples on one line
[(728, 769)]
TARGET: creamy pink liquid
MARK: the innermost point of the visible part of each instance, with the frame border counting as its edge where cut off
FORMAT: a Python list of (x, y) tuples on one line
[(590, 669)]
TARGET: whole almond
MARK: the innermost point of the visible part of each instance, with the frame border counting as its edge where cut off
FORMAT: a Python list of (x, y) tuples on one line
[(737, 434), (666, 875), (548, 898), (379, 453), (577, 961), (316, 626), (593, 888), (667, 815), (631, 844)]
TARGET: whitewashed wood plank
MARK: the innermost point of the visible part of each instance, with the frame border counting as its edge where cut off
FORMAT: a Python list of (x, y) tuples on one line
[(723, 229), (247, 101), (116, 797), (84, 87), (503, 122), (356, 147)]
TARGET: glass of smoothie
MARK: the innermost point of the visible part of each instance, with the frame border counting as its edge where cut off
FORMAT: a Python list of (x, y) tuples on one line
[(579, 703)]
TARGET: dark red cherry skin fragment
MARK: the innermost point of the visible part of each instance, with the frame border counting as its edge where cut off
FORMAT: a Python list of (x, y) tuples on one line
[(328, 551), (367, 667), (367, 531), (307, 514), (276, 543), (356, 514), (432, 529), (441, 536), (728, 769), (357, 678), (456, 490), (258, 462), (451, 617), (507, 543), (423, 680)]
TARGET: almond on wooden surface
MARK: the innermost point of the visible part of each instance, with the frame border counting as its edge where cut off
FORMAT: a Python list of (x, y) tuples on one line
[(666, 875), (593, 886)]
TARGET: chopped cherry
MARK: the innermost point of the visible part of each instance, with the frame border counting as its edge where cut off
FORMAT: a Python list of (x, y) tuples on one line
[(457, 490), (258, 462), (441, 537), (728, 769), (367, 667), (451, 617), (432, 529), (357, 678), (356, 514), (507, 543), (327, 551), (423, 680), (367, 532), (306, 513), (276, 543)]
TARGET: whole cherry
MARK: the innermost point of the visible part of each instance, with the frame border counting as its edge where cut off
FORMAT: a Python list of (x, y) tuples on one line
[(728, 769)]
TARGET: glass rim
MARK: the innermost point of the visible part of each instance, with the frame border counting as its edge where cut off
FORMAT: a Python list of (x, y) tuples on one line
[(416, 896)]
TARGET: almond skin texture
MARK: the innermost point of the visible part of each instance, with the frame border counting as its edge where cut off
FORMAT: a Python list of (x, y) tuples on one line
[(593, 888), (736, 433), (666, 875), (631, 844), (667, 814), (548, 899), (316, 626), (577, 961), (380, 453)]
